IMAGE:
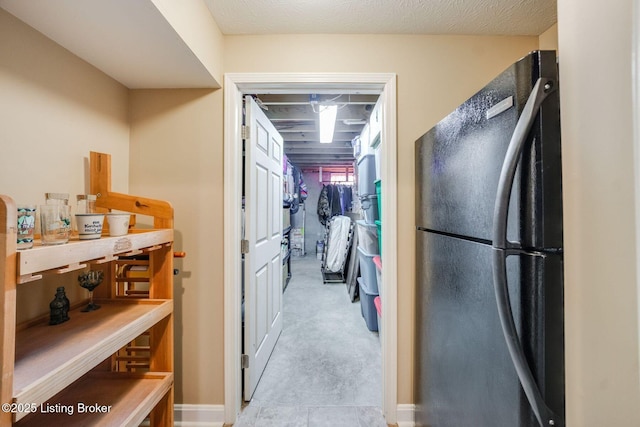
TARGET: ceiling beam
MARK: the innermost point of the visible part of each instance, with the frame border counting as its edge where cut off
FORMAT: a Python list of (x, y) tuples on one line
[(327, 151), (310, 126), (314, 144), (306, 112), (325, 166), (292, 99), (334, 169), (320, 161), (321, 155), (342, 137)]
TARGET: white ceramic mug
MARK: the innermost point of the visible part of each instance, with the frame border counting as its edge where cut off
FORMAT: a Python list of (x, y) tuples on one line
[(89, 225), (118, 224)]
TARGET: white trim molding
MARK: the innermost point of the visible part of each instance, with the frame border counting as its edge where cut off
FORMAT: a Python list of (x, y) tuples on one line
[(406, 415), (235, 85), (232, 257), (199, 415)]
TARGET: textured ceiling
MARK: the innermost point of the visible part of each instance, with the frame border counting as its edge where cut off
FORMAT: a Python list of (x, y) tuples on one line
[(296, 120), (483, 17)]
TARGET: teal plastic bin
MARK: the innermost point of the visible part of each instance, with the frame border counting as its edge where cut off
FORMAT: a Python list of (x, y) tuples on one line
[(378, 184)]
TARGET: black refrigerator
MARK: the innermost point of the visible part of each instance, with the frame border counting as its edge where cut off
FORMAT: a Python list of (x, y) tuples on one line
[(489, 279)]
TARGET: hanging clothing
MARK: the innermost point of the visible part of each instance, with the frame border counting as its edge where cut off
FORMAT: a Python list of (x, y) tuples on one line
[(336, 207), (297, 176), (304, 192), (324, 208), (346, 198), (295, 190), (334, 200)]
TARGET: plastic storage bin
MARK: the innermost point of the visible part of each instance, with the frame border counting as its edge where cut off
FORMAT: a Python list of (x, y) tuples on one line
[(377, 261), (367, 175), (379, 227), (368, 307), (377, 301), (378, 185), (368, 271), (367, 237), (370, 208)]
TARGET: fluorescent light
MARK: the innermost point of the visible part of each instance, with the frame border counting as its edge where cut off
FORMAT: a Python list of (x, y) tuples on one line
[(351, 122), (328, 115)]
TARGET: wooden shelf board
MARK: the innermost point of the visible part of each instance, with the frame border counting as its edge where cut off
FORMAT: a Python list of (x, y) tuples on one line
[(129, 396), (49, 358), (47, 257)]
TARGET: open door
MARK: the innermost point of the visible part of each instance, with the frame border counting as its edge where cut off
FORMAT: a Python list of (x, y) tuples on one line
[(263, 234)]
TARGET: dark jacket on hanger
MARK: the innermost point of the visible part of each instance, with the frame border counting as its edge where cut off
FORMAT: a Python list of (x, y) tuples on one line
[(324, 207)]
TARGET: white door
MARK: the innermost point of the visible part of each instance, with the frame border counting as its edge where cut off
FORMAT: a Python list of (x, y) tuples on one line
[(263, 231)]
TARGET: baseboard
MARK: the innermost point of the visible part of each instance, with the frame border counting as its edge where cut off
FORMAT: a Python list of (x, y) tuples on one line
[(406, 415), (213, 415), (198, 415)]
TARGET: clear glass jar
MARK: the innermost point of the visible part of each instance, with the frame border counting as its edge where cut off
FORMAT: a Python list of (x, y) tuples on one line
[(56, 198), (86, 203)]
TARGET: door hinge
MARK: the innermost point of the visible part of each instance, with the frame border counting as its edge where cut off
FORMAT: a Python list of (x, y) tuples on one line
[(245, 132), (244, 361), (244, 246)]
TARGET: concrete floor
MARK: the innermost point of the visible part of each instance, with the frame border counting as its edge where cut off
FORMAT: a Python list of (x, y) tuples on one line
[(326, 367)]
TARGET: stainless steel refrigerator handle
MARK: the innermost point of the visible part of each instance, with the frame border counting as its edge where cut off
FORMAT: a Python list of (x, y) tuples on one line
[(501, 251)]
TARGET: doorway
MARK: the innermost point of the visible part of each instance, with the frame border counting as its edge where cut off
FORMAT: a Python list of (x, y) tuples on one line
[(236, 85)]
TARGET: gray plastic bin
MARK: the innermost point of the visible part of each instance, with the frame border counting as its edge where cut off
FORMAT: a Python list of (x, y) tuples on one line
[(368, 271), (370, 209), (368, 307), (368, 237), (367, 175)]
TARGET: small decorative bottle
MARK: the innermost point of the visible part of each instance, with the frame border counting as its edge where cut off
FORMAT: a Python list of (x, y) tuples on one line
[(59, 308), (67, 304)]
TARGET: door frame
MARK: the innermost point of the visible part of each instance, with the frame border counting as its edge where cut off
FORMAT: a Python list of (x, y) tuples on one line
[(235, 86), (635, 85)]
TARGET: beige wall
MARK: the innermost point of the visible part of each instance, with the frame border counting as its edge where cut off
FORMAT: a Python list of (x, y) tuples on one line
[(600, 252), (435, 74), (54, 110), (549, 39), (176, 153)]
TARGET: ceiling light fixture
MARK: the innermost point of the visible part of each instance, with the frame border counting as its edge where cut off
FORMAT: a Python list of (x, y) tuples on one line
[(352, 122), (328, 115)]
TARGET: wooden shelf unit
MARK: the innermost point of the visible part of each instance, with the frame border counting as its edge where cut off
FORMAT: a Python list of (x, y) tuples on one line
[(131, 397), (76, 362)]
